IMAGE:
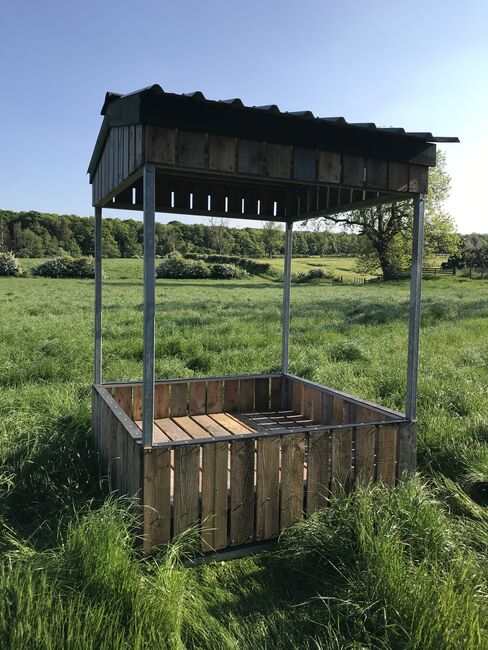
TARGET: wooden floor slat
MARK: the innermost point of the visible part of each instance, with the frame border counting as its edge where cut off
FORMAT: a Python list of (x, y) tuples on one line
[(210, 425), (233, 426), (189, 425), (171, 429)]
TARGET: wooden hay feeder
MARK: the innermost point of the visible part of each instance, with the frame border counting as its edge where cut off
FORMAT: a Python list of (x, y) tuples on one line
[(245, 456)]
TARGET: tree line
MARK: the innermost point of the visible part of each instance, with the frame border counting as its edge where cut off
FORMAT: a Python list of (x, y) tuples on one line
[(35, 234)]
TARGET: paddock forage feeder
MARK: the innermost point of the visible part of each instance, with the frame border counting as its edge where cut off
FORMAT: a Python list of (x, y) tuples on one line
[(245, 456)]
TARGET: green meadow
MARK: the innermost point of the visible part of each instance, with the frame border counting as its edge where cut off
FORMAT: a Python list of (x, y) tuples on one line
[(402, 568)]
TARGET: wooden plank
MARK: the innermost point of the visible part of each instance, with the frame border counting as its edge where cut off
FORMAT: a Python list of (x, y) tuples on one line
[(353, 170), (261, 394), (186, 478), (341, 459), (179, 399), (297, 397), (267, 488), (134, 469), (240, 419), (231, 394), (308, 393), (132, 148), (407, 450), (157, 432), (318, 470), (137, 402), (365, 451), (160, 145), (157, 505), (123, 397), (210, 425), (121, 445), (398, 177), (233, 426), (197, 398), (214, 396), (171, 429), (386, 455), (419, 179), (242, 492), (125, 167), (292, 463), (250, 157), (139, 145), (338, 410), (329, 167), (276, 393), (376, 173), (221, 153), (214, 495), (192, 428), (246, 395), (304, 164), (278, 159), (318, 406), (192, 149), (161, 401)]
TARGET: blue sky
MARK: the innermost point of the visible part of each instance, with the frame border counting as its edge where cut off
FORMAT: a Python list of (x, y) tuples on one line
[(421, 65)]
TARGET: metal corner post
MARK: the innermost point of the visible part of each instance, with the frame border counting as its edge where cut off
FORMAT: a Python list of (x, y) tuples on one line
[(285, 325), (149, 179), (98, 296), (414, 312)]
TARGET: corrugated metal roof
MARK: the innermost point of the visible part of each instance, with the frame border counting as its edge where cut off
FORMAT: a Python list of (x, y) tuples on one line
[(237, 103)]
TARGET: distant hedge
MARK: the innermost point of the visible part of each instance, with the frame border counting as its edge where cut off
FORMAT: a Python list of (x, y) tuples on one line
[(250, 266), (309, 276), (66, 267), (175, 266), (9, 265)]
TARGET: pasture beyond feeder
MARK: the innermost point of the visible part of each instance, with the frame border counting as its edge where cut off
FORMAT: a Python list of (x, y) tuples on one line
[(245, 456)]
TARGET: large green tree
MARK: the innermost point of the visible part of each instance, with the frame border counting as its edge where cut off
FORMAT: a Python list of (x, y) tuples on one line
[(387, 229)]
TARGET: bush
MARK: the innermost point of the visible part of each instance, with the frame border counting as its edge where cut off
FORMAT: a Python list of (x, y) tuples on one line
[(9, 265), (250, 266), (176, 267), (66, 267), (309, 276), (225, 271)]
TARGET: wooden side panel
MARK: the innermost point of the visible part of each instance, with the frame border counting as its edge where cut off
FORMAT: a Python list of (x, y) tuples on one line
[(221, 153), (121, 452), (318, 470), (398, 177), (261, 401), (186, 478), (157, 505), (160, 145), (123, 397), (214, 396), (304, 164), (329, 167), (386, 459), (250, 158), (376, 173), (192, 149), (137, 403), (161, 401), (419, 179), (292, 460), (242, 492), (278, 160), (297, 397), (179, 399), (231, 395), (267, 488), (341, 459), (338, 410), (134, 467), (246, 395), (214, 495), (353, 170), (365, 454), (276, 393), (407, 450), (197, 398), (308, 395)]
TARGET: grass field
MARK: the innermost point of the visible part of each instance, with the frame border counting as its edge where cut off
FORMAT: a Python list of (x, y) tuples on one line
[(379, 569)]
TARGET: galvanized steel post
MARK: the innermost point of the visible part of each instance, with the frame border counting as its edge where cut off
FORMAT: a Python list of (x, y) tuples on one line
[(414, 313), (149, 303), (285, 325), (98, 296)]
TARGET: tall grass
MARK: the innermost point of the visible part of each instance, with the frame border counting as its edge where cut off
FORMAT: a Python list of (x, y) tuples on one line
[(377, 569)]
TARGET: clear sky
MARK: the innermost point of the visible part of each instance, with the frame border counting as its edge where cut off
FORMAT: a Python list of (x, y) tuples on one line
[(419, 64)]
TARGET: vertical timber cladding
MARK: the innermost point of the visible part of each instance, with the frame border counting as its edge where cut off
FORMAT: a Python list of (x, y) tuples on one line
[(246, 159)]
